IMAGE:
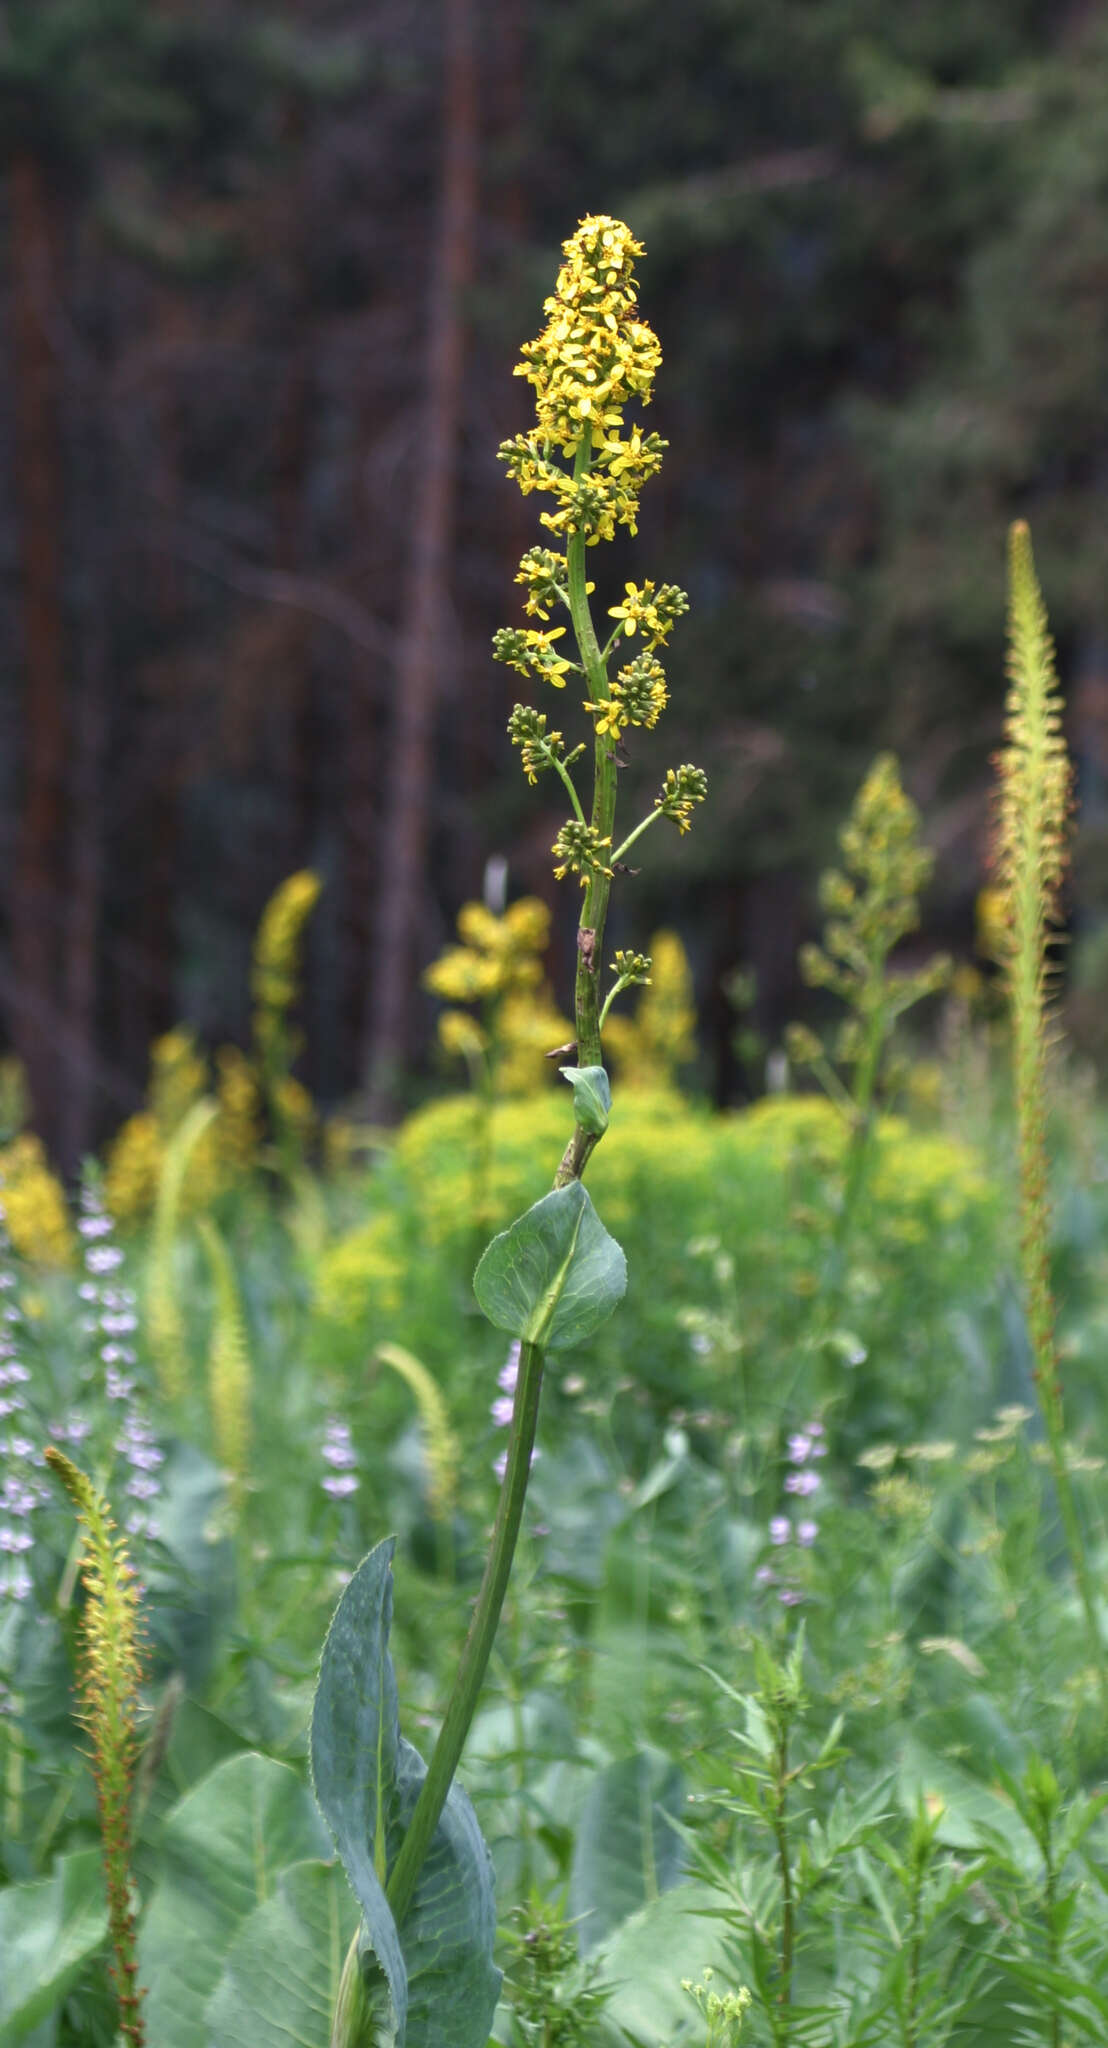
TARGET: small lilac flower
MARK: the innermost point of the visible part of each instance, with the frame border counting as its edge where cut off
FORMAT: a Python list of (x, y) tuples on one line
[(765, 1576), (103, 1258), (790, 1596), (803, 1483), (509, 1371), (800, 1445), (780, 1529), (806, 1533), (338, 1452), (501, 1411)]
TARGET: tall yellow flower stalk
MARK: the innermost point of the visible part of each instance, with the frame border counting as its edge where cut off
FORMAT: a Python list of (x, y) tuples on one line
[(1030, 854), (109, 1677)]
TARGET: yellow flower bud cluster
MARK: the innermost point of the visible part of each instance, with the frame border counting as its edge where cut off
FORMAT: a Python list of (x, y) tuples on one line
[(581, 850), (638, 697), (593, 356), (594, 353), (34, 1204)]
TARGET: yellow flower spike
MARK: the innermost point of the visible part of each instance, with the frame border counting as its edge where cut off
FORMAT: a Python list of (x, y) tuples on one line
[(34, 1204), (109, 1678)]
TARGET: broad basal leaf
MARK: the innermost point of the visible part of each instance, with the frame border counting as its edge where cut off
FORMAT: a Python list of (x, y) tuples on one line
[(47, 1931), (438, 1965), (554, 1275), (282, 1972), (224, 1847), (626, 1851)]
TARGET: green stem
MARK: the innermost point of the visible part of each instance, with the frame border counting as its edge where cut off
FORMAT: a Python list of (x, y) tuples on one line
[(781, 1835), (616, 989), (569, 783), (478, 1644), (651, 818), (594, 909)]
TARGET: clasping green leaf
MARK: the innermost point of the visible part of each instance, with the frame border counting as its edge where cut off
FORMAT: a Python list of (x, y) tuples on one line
[(554, 1275), (592, 1097)]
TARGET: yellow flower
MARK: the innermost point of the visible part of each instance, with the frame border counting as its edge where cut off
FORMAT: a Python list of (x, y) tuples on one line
[(133, 1165), (34, 1204)]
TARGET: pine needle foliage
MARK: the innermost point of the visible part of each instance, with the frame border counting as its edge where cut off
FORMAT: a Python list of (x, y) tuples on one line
[(109, 1678)]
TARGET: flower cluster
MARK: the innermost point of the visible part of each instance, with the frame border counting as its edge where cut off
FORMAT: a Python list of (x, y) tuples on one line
[(112, 1323), (21, 1491), (341, 1479), (545, 577), (276, 968), (802, 1483), (632, 967), (581, 851), (530, 650), (498, 952), (638, 697), (593, 356), (538, 748), (654, 611), (110, 1679), (723, 2010), (682, 788), (873, 900)]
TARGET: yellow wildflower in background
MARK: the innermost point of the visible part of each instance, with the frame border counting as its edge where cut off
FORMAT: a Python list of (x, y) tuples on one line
[(499, 967), (134, 1163), (649, 1047), (239, 1129), (275, 978), (34, 1205)]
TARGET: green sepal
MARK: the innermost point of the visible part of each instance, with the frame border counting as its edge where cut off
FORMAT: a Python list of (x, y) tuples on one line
[(554, 1275), (592, 1097)]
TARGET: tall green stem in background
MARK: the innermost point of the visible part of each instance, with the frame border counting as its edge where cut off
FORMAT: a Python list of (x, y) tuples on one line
[(1035, 788)]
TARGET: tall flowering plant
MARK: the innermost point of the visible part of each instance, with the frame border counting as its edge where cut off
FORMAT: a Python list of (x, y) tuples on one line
[(421, 1962)]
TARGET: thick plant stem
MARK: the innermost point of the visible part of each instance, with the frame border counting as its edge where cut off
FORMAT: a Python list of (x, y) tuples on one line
[(781, 1836), (594, 909), (478, 1644)]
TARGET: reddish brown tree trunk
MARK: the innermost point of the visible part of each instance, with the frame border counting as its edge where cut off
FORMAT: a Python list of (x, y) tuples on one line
[(37, 888), (406, 774)]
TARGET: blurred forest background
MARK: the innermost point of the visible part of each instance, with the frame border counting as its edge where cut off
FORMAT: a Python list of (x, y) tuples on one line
[(268, 267)]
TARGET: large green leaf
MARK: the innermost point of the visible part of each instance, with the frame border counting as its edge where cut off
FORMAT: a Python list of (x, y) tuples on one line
[(438, 1967), (626, 1852), (354, 1740), (281, 1976), (676, 1936), (47, 1932), (223, 1850), (554, 1275)]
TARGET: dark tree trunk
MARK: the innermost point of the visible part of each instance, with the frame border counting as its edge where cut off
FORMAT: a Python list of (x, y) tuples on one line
[(406, 775), (38, 893)]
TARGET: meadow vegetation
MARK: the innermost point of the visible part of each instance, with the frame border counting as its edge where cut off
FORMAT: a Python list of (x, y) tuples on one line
[(793, 1728)]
